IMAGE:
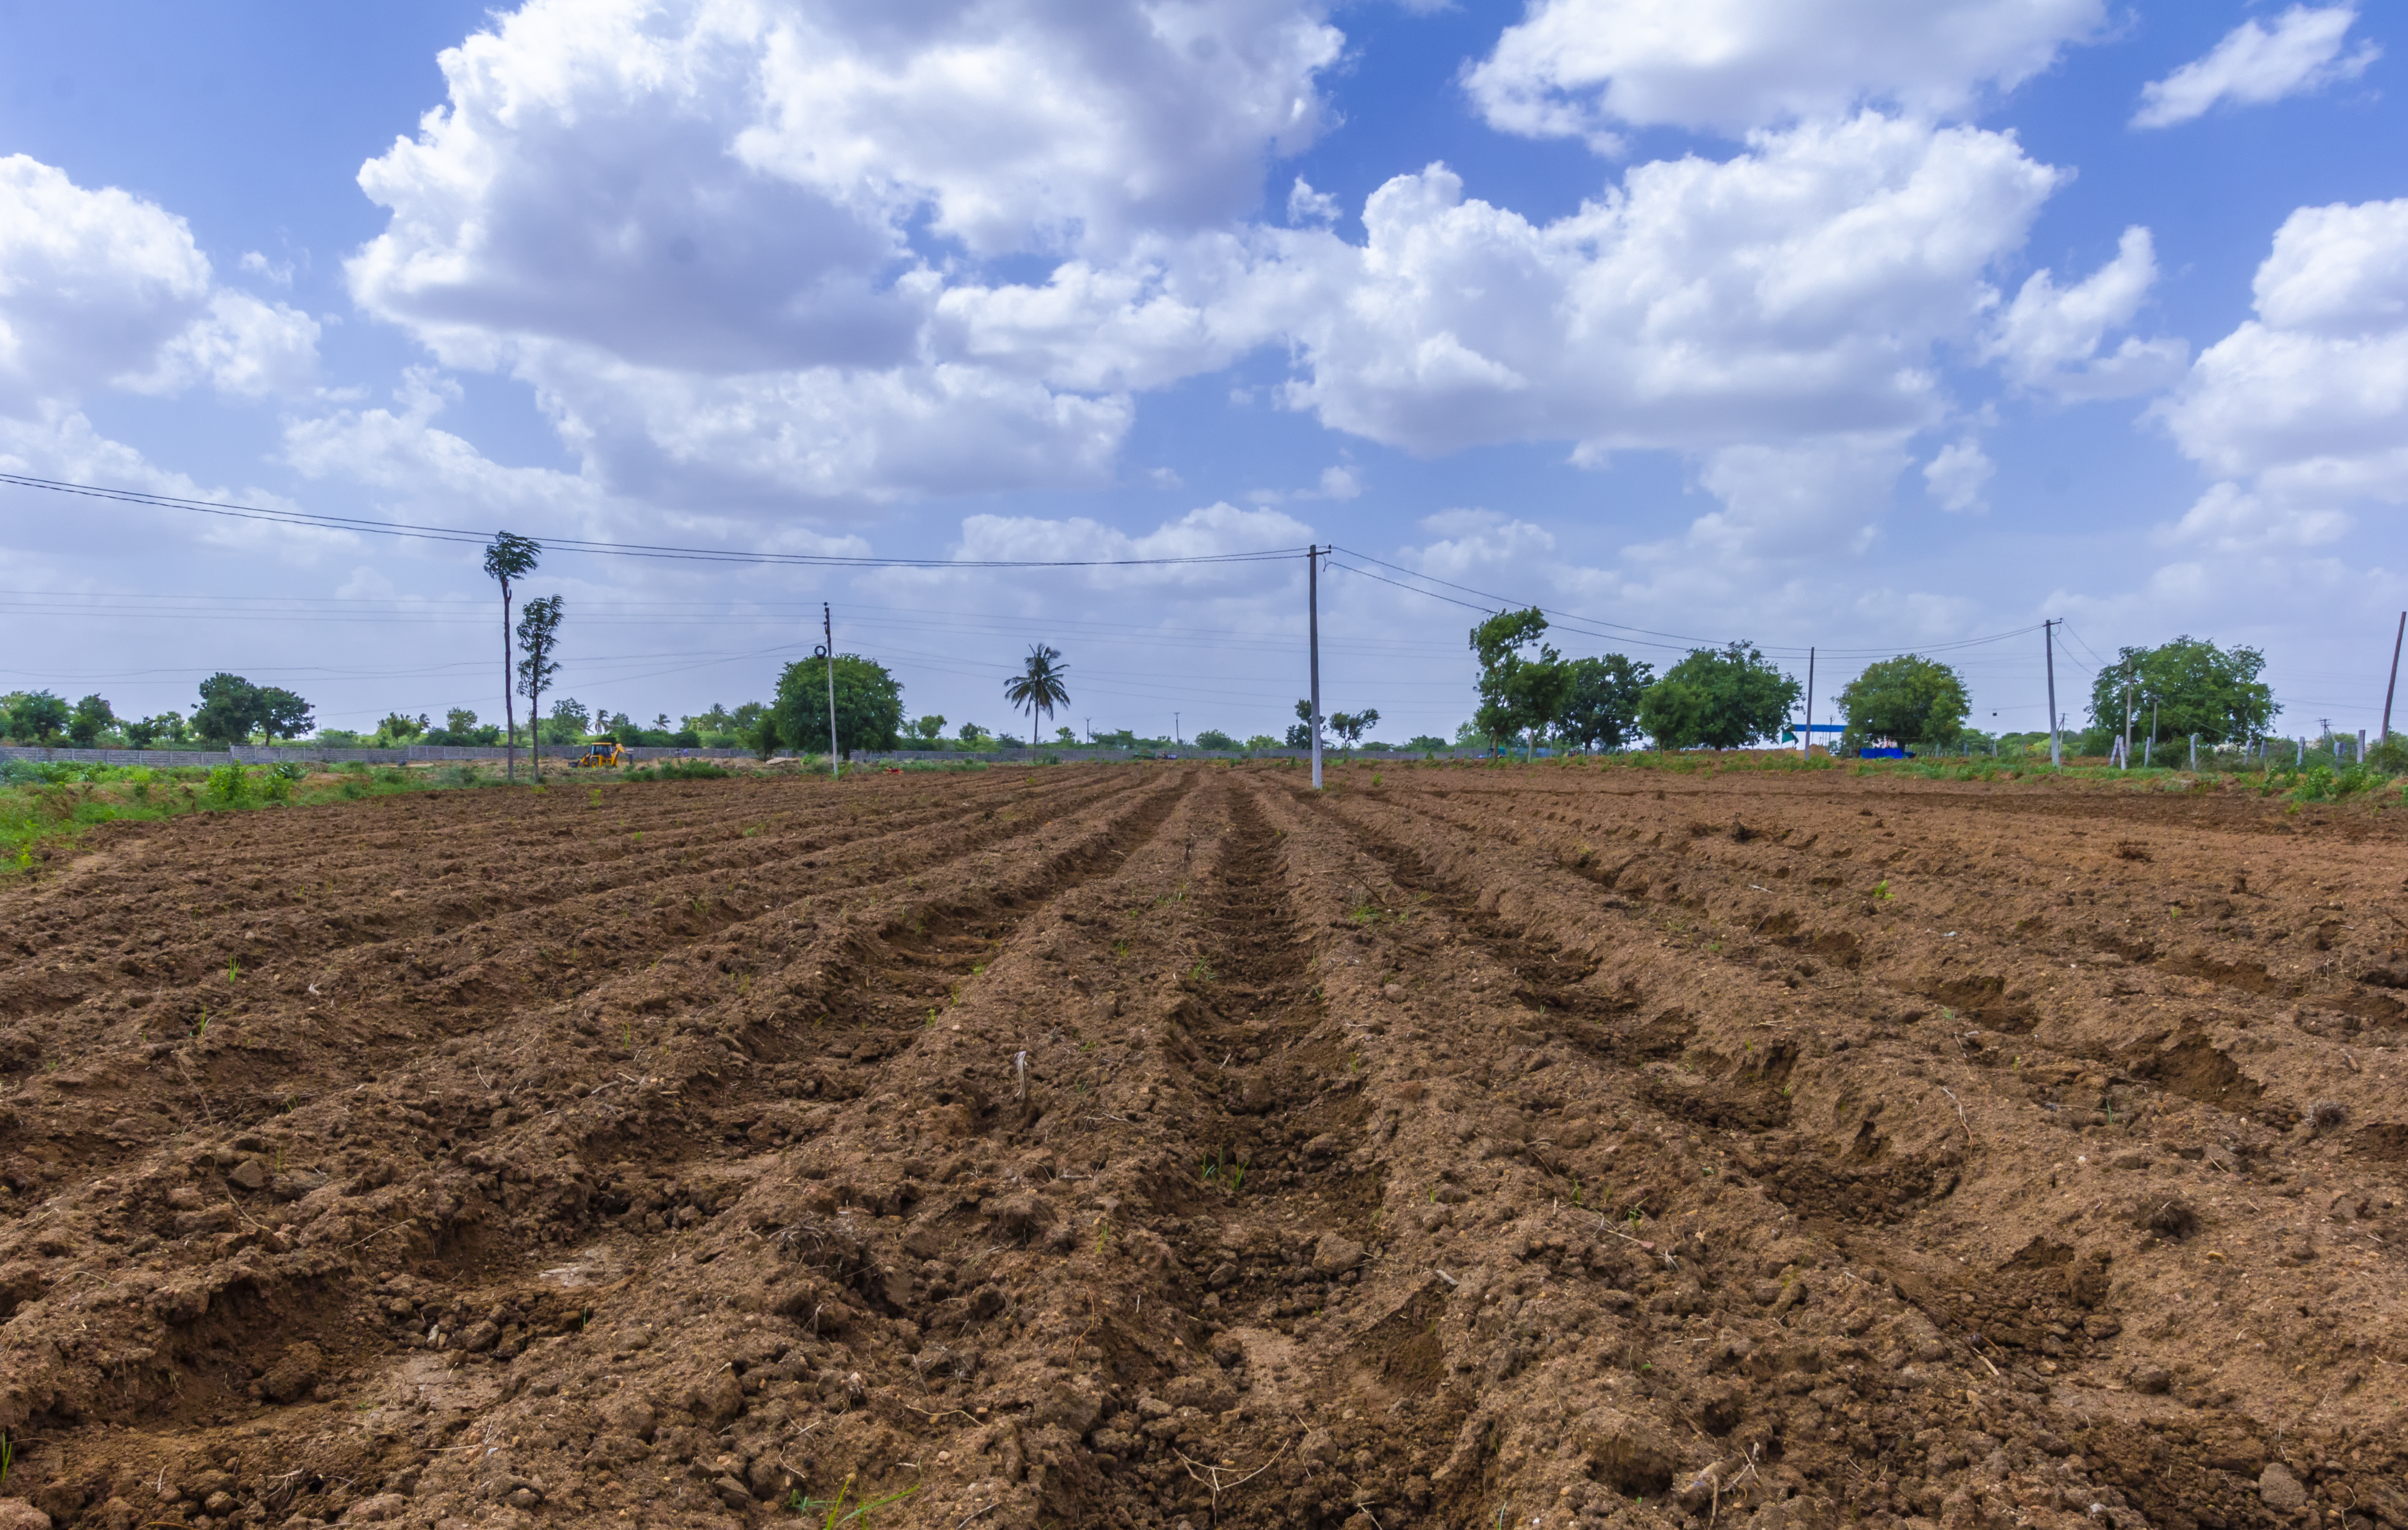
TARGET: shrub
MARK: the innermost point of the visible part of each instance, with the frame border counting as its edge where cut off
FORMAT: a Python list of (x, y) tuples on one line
[(228, 786)]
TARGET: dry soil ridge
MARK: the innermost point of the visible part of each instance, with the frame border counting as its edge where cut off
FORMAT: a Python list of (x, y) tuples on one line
[(548, 1162)]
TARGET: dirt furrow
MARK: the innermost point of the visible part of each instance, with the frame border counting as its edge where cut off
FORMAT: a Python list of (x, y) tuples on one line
[(1153, 1145)]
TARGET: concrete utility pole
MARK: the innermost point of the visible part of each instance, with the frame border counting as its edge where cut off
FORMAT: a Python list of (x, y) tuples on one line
[(2048, 640), (1806, 739), (1312, 631), (827, 651), (2128, 716), (2393, 685)]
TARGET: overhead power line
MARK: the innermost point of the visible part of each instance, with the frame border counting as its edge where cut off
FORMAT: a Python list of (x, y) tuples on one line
[(1636, 636), (608, 549)]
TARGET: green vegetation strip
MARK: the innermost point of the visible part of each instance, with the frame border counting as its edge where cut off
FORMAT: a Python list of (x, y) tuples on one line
[(40, 802)]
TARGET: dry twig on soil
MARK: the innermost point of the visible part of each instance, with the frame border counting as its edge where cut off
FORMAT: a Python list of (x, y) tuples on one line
[(1210, 1476)]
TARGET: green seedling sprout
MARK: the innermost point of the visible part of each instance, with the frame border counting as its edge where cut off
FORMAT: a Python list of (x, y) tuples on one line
[(1881, 890), (201, 1027), (233, 971)]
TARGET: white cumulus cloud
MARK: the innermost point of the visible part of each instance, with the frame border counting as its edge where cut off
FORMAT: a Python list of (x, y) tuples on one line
[(2254, 65), (2048, 338), (1958, 475), (1795, 291), (1578, 68), (2302, 410), (101, 288), (733, 243)]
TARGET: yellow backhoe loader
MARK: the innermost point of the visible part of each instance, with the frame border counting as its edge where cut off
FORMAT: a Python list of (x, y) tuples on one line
[(604, 756)]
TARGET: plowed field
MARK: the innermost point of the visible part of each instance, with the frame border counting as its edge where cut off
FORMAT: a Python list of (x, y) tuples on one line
[(1132, 1146)]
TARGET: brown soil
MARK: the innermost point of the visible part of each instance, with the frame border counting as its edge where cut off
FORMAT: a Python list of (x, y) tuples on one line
[(1130, 1145)]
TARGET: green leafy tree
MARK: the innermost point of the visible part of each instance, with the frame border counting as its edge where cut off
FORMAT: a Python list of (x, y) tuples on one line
[(1601, 704), (761, 736), (973, 735), (462, 730), (165, 728), (1213, 737), (231, 710), (1916, 701), (1349, 726), (1521, 694), (930, 727), (538, 640), (868, 705), (2196, 688), (283, 715), (398, 728), (1300, 734), (1064, 737), (1426, 743), (1745, 695), (1040, 686), (510, 557), (1675, 713), (38, 716), (91, 719)]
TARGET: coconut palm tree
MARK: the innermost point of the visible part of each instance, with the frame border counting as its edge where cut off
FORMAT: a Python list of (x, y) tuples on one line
[(1038, 688)]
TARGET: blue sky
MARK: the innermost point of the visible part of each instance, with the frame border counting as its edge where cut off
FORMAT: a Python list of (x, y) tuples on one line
[(1872, 325)]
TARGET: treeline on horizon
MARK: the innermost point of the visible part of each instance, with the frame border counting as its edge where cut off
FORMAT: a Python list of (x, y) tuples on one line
[(1528, 697)]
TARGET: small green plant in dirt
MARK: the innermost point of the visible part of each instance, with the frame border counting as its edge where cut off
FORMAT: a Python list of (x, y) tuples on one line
[(1228, 1174), (229, 785), (233, 971), (1103, 1237), (1120, 948), (201, 1026), (1881, 889), (7, 1456), (1202, 973), (838, 1512)]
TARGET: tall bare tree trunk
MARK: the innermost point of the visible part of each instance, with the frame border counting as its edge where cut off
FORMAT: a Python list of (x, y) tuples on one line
[(510, 712)]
